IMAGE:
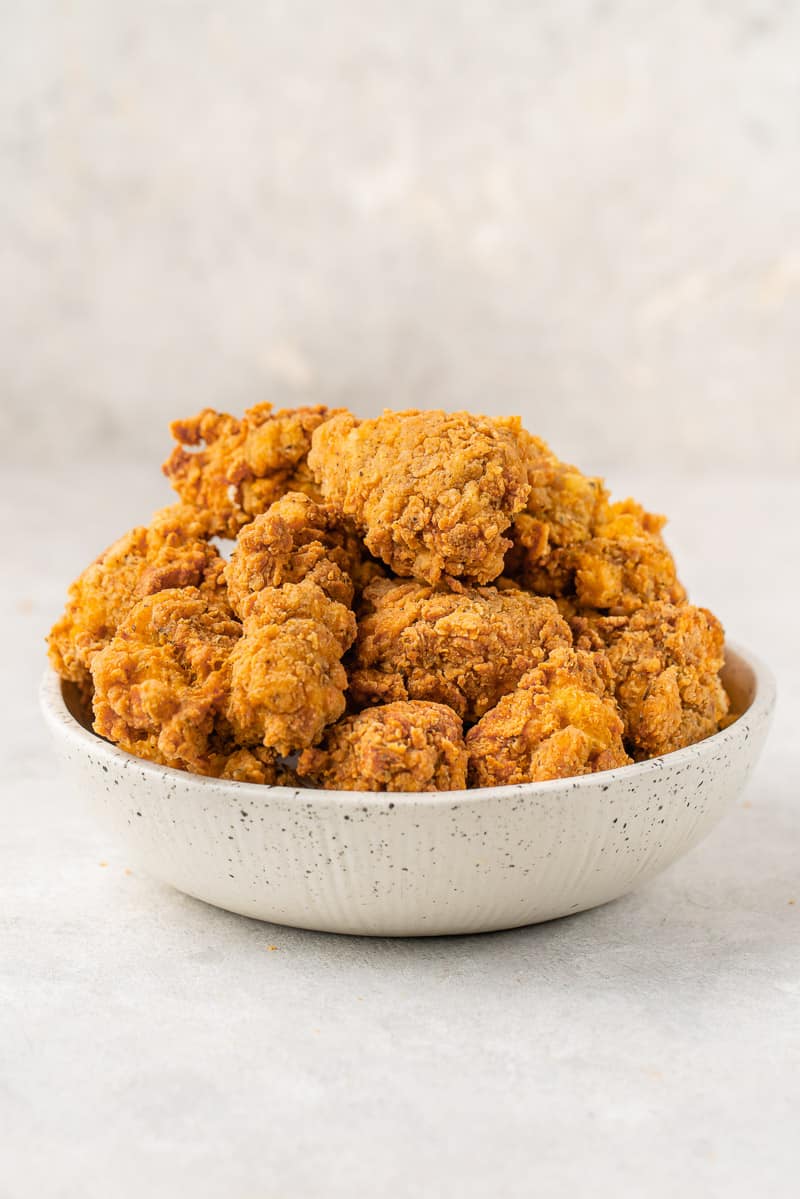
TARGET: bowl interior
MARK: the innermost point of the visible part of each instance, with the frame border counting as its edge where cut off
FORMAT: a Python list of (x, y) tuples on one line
[(76, 705), (739, 680)]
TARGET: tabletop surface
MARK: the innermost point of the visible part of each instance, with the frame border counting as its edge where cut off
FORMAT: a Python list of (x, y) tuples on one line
[(151, 1045)]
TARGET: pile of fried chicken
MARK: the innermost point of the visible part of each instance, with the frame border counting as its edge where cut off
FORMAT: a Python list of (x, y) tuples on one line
[(423, 601)]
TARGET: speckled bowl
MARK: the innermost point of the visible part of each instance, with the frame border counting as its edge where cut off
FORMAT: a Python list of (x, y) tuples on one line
[(422, 864)]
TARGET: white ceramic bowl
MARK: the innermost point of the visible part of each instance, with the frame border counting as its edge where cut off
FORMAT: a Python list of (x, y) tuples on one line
[(422, 864)]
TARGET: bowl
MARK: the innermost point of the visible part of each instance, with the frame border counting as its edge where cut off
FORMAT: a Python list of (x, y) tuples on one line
[(396, 864)]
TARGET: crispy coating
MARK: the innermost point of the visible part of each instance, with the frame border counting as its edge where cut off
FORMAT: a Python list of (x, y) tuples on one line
[(296, 539), (172, 551), (404, 746), (559, 722), (256, 765), (665, 660), (243, 465), (582, 649), (563, 505), (453, 644), (623, 565), (627, 563), (163, 678), (432, 492), (287, 680)]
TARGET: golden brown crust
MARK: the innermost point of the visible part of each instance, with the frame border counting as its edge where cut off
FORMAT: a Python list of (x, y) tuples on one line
[(163, 678), (222, 668), (559, 722), (287, 580), (665, 660), (287, 681), (295, 539), (242, 466), (172, 551), (563, 503), (452, 644), (432, 492), (405, 746), (623, 565), (256, 765)]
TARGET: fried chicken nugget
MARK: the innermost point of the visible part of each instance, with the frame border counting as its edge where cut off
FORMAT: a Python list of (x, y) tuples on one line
[(296, 539), (287, 680), (162, 683), (452, 644), (623, 565), (287, 580), (626, 564), (163, 679), (563, 503), (172, 551), (404, 746), (243, 465), (665, 660), (255, 765), (560, 721), (432, 492)]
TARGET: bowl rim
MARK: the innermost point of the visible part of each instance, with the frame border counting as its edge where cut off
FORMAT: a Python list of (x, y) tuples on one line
[(64, 726)]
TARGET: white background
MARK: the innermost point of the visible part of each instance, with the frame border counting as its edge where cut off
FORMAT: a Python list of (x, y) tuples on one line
[(586, 213)]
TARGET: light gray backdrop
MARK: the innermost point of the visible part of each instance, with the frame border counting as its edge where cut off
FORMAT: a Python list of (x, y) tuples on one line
[(585, 212)]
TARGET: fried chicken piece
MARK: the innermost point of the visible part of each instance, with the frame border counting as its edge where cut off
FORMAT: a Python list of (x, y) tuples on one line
[(256, 765), (563, 504), (287, 580), (432, 492), (296, 539), (243, 465), (287, 681), (452, 644), (172, 551), (666, 661), (162, 680), (623, 565), (404, 746), (626, 564), (559, 722)]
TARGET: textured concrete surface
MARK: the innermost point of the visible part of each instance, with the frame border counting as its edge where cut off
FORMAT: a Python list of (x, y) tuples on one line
[(150, 1045), (586, 211)]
